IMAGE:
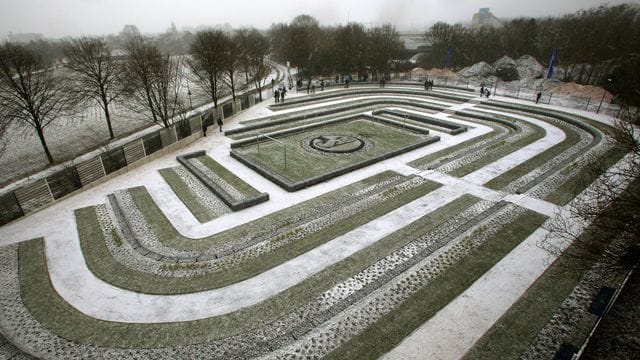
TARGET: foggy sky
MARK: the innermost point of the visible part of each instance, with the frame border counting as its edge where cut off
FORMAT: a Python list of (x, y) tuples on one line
[(59, 18)]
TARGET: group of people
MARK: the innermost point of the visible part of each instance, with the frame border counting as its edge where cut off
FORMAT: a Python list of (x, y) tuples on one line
[(279, 94), (484, 91), (428, 84)]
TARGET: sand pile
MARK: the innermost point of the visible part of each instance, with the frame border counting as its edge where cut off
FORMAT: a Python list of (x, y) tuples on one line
[(585, 91), (433, 72)]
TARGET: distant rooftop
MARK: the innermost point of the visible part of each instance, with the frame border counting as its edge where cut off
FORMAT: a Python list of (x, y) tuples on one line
[(484, 17)]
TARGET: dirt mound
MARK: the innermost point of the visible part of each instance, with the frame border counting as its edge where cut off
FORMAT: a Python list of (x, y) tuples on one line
[(481, 69), (433, 72), (503, 62), (528, 67), (585, 91)]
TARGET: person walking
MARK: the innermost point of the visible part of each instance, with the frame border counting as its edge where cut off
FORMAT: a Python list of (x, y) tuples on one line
[(282, 92), (487, 92), (321, 85), (276, 94), (481, 90), (220, 123), (426, 84), (538, 96)]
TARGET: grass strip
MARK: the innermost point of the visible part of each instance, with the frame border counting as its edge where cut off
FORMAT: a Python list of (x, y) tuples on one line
[(245, 189), (511, 335), (88, 230), (188, 198), (442, 156), (575, 184), (504, 179), (53, 312), (499, 150), (389, 330), (169, 236)]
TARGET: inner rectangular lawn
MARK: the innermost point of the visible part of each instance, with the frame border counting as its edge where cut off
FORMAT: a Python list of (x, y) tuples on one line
[(302, 164)]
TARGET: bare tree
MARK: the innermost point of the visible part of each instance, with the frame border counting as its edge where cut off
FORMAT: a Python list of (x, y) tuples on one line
[(254, 48), (610, 205), (97, 70), (154, 81), (230, 56), (206, 63), (30, 93)]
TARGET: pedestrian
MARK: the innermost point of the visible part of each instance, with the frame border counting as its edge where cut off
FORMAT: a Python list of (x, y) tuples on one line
[(346, 83), (426, 84), (273, 82), (487, 92), (381, 85), (220, 123), (313, 88), (384, 82), (430, 84), (309, 86), (538, 96), (321, 85), (282, 92), (481, 90), (276, 94)]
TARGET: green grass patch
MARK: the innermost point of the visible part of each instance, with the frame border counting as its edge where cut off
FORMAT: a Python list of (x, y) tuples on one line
[(388, 331), (245, 189), (571, 139), (116, 237), (512, 334), (444, 155), (188, 198), (118, 275), (500, 150), (54, 313), (302, 165)]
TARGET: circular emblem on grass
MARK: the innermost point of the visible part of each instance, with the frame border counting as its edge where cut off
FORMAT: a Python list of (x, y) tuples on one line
[(336, 143)]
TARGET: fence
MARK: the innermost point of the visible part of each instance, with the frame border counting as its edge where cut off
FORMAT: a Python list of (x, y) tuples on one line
[(39, 193), (28, 198), (516, 91)]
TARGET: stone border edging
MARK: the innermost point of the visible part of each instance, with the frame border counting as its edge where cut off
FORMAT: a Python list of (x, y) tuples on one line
[(232, 203)]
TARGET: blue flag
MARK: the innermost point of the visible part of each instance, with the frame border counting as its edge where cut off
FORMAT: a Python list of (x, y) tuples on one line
[(552, 62), (447, 57)]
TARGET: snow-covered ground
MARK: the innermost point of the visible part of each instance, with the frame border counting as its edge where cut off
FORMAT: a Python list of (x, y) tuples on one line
[(447, 335)]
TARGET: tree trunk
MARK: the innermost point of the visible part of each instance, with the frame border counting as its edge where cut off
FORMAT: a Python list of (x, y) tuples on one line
[(107, 117), (40, 132)]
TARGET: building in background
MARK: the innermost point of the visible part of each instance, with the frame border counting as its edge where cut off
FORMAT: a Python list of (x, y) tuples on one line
[(484, 17)]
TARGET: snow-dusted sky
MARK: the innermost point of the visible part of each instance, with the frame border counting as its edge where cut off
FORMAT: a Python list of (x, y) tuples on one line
[(58, 18)]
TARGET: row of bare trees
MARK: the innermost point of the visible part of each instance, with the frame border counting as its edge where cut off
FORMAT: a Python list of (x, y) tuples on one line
[(35, 91), (317, 50)]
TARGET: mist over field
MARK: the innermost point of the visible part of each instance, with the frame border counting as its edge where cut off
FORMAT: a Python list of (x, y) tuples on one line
[(83, 17)]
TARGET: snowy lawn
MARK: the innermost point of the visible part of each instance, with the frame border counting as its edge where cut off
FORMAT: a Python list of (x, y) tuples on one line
[(103, 266), (59, 316), (303, 163), (202, 203), (387, 332)]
